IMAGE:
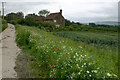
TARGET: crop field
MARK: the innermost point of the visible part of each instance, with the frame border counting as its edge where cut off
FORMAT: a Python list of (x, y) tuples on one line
[(51, 56), (96, 38)]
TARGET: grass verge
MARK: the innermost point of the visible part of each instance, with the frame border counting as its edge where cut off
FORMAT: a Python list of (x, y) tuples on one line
[(4, 25)]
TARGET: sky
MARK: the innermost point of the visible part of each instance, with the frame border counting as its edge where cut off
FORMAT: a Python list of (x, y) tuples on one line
[(83, 11)]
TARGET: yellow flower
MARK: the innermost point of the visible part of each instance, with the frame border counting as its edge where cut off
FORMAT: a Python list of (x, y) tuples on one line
[(90, 63), (86, 55)]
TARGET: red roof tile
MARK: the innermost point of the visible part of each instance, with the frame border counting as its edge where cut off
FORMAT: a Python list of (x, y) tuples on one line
[(40, 18), (52, 15)]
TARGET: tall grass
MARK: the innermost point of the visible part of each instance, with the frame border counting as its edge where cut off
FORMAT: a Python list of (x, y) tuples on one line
[(50, 56), (3, 24)]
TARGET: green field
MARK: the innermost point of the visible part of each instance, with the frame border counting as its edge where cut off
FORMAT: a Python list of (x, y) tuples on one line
[(69, 56), (97, 38)]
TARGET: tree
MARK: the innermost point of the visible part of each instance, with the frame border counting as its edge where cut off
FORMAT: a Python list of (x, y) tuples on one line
[(43, 13), (67, 22), (92, 24), (11, 16), (14, 16), (32, 16), (20, 14)]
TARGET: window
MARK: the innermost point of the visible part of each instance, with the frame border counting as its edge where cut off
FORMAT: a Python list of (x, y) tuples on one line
[(54, 20), (62, 21), (57, 25)]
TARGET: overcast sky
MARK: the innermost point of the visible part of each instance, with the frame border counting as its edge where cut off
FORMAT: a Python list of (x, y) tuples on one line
[(75, 10)]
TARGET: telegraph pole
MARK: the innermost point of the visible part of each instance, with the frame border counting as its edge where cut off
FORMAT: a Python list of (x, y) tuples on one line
[(3, 10)]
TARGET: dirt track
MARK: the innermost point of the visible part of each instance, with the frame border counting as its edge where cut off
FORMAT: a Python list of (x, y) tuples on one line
[(9, 52)]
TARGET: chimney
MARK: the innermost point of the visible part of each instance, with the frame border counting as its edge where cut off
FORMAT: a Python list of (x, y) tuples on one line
[(60, 11), (33, 13)]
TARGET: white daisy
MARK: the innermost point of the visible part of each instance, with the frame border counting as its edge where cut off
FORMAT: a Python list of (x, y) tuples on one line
[(108, 74), (87, 71)]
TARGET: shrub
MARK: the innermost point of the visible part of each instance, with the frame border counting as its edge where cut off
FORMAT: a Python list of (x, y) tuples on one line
[(49, 24), (21, 21), (4, 25), (13, 22)]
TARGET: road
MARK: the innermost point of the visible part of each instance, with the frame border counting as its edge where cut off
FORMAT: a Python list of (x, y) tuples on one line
[(9, 52)]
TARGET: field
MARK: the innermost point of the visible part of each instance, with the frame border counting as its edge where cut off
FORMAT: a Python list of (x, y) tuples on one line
[(52, 56), (96, 38)]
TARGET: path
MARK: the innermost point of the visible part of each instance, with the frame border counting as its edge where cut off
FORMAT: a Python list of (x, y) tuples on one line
[(9, 52)]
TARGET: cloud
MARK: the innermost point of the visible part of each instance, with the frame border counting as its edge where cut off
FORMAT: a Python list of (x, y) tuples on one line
[(74, 10)]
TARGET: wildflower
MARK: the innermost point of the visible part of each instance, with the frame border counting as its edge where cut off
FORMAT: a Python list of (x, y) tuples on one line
[(115, 75), (89, 56), (98, 68), (87, 71), (71, 47), (56, 47), (79, 73), (103, 56), (84, 63), (86, 55), (65, 53), (77, 65), (107, 56), (90, 63), (69, 55), (76, 59), (95, 71), (53, 66), (80, 46), (101, 71), (108, 74), (63, 46), (74, 56), (99, 56), (92, 56), (90, 75)]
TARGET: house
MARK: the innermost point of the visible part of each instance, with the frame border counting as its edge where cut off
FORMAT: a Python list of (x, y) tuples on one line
[(55, 18), (40, 18)]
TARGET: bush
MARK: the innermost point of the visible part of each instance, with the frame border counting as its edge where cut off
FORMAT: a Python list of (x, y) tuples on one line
[(21, 21), (13, 22), (4, 25), (49, 24)]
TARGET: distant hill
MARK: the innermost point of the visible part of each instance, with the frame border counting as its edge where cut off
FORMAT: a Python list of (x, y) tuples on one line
[(108, 23)]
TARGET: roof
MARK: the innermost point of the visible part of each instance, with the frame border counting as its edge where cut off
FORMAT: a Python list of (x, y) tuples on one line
[(52, 15), (40, 18)]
